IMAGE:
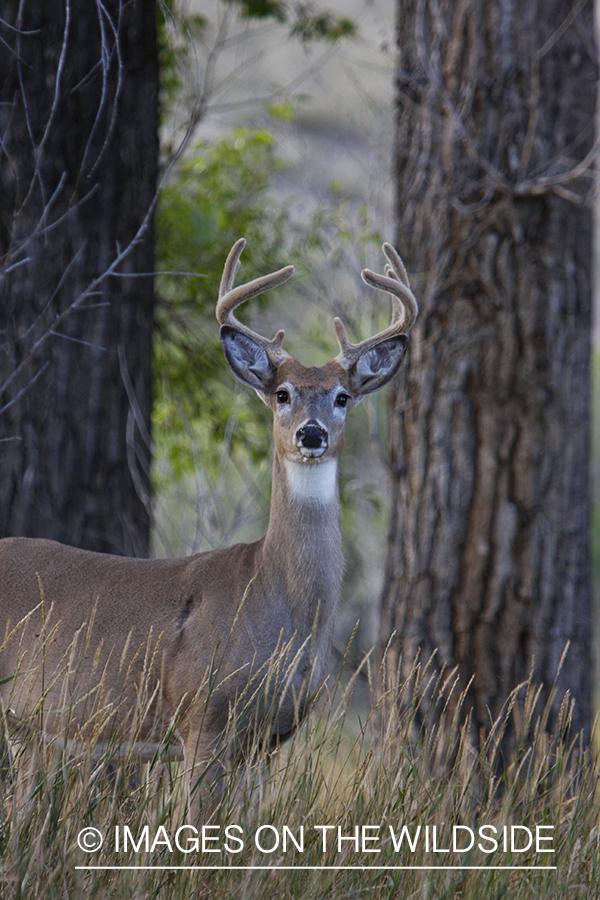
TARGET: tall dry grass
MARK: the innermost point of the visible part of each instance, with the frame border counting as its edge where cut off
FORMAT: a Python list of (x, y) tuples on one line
[(363, 801)]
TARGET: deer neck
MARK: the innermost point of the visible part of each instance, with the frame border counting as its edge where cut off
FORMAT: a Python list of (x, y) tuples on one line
[(303, 543)]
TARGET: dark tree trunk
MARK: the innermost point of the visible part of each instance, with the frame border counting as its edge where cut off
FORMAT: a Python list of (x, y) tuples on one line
[(488, 556), (78, 165)]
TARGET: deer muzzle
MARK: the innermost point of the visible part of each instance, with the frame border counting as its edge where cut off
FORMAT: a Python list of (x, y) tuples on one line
[(312, 440)]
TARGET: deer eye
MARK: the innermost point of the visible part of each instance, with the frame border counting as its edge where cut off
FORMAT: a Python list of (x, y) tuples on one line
[(282, 397), (341, 400)]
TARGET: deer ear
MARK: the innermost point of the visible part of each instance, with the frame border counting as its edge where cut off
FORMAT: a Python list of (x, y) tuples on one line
[(248, 360), (377, 365)]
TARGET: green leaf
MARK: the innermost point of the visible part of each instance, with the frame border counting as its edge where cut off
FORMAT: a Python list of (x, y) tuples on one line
[(312, 24)]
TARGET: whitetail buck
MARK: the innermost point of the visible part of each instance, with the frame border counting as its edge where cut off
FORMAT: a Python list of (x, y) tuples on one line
[(214, 621)]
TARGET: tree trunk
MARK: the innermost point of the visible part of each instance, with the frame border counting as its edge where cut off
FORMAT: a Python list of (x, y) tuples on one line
[(78, 166), (488, 556)]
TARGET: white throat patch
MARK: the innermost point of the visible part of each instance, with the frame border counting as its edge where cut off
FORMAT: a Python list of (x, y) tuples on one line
[(316, 482)]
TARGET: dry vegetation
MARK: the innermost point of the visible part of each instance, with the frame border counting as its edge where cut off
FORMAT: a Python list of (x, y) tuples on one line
[(266, 836)]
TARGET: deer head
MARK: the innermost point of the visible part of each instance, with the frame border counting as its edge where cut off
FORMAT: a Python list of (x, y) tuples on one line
[(310, 404)]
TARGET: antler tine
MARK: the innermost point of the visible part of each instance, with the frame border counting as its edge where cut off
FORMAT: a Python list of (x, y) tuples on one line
[(230, 269), (230, 298), (404, 307), (395, 263), (396, 282)]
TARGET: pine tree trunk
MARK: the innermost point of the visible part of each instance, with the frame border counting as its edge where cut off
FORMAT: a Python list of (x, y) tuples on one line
[(488, 556), (78, 167)]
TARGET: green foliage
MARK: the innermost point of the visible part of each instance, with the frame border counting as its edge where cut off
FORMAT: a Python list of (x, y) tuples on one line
[(261, 9), (306, 21), (312, 24), (283, 111), (214, 198)]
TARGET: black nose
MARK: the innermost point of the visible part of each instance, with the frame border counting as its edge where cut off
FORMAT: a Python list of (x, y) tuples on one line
[(312, 436)]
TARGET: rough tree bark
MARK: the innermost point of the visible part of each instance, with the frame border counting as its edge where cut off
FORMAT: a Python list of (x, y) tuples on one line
[(488, 557), (78, 165)]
